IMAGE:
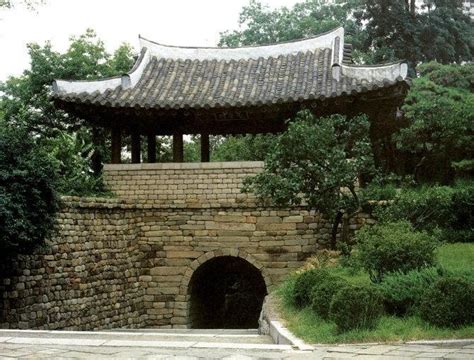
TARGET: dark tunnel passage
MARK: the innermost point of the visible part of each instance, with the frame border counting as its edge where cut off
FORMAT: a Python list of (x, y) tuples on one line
[(226, 293)]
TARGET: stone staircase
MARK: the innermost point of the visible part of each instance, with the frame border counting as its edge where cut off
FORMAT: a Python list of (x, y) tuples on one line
[(149, 338)]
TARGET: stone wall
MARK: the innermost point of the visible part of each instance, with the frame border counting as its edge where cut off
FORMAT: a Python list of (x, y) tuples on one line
[(128, 262), (176, 185), (86, 277)]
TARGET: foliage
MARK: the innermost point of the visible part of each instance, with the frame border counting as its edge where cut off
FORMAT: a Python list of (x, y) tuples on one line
[(304, 283), (391, 247), (380, 30), (261, 25), (243, 148), (418, 31), (317, 162), (448, 75), (455, 259), (403, 291), (25, 101), (449, 208), (356, 307), (323, 293), (449, 302), (440, 112), (28, 201), (71, 155)]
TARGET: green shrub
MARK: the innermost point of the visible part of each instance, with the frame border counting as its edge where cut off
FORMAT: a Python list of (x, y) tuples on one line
[(462, 209), (304, 284), (322, 294), (356, 307), (449, 208), (28, 201), (391, 247), (449, 303), (425, 207), (457, 236), (403, 292)]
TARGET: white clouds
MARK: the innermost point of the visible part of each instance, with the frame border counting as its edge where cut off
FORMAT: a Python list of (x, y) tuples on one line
[(176, 22)]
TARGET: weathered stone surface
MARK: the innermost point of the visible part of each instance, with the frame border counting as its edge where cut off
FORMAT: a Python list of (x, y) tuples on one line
[(123, 263)]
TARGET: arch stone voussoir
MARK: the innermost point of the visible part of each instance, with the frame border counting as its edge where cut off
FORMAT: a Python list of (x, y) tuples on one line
[(242, 254)]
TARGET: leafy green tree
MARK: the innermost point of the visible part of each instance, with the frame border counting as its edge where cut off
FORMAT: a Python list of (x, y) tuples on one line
[(28, 201), (317, 163), (242, 147), (440, 111), (417, 31), (25, 100), (71, 154), (380, 30), (260, 25)]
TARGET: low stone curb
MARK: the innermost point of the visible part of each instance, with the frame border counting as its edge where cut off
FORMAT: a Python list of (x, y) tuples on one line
[(458, 342), (270, 324), (439, 342), (117, 342)]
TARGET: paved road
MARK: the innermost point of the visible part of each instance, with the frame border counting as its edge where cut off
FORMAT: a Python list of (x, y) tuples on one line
[(199, 344)]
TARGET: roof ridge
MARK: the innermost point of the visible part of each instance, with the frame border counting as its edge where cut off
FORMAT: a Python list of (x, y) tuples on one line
[(246, 46), (325, 40)]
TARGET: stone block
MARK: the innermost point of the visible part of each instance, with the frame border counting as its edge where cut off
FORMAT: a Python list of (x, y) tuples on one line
[(184, 254)]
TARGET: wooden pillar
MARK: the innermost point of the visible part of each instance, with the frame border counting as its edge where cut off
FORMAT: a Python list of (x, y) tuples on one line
[(135, 147), (116, 145), (205, 154), (178, 147), (151, 147)]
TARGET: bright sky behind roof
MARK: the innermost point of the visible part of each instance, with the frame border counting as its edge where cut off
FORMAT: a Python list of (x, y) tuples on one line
[(173, 22)]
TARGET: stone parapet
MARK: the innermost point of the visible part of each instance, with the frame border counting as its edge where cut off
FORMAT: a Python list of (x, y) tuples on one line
[(183, 185)]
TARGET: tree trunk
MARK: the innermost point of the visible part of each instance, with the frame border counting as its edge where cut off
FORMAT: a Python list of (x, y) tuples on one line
[(335, 225), (413, 8)]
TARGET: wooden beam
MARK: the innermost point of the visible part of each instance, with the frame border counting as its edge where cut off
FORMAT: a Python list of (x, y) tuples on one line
[(116, 135), (205, 152), (178, 147), (135, 148), (151, 147)]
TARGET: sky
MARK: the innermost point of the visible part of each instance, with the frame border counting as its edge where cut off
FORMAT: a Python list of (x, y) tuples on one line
[(173, 22)]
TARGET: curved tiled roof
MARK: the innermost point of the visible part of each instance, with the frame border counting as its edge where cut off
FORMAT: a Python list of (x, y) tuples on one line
[(169, 77)]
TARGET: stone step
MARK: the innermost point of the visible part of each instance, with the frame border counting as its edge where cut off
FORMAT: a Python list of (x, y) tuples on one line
[(152, 339)]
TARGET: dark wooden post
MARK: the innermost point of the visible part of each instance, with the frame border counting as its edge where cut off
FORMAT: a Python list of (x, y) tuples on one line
[(151, 146), (116, 145), (178, 147), (135, 147), (98, 141), (205, 155)]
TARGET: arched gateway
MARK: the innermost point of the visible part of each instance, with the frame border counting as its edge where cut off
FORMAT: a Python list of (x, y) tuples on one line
[(224, 289), (191, 249), (226, 292)]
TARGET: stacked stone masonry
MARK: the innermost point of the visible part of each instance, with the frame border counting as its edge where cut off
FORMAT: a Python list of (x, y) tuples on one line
[(127, 262)]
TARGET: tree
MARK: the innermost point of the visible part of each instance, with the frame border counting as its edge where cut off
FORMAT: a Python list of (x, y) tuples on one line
[(440, 111), (242, 147), (317, 162), (261, 25), (25, 100), (28, 200), (379, 30), (417, 31)]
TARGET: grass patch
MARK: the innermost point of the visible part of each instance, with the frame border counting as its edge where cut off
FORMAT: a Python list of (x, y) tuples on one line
[(457, 257), (304, 323)]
